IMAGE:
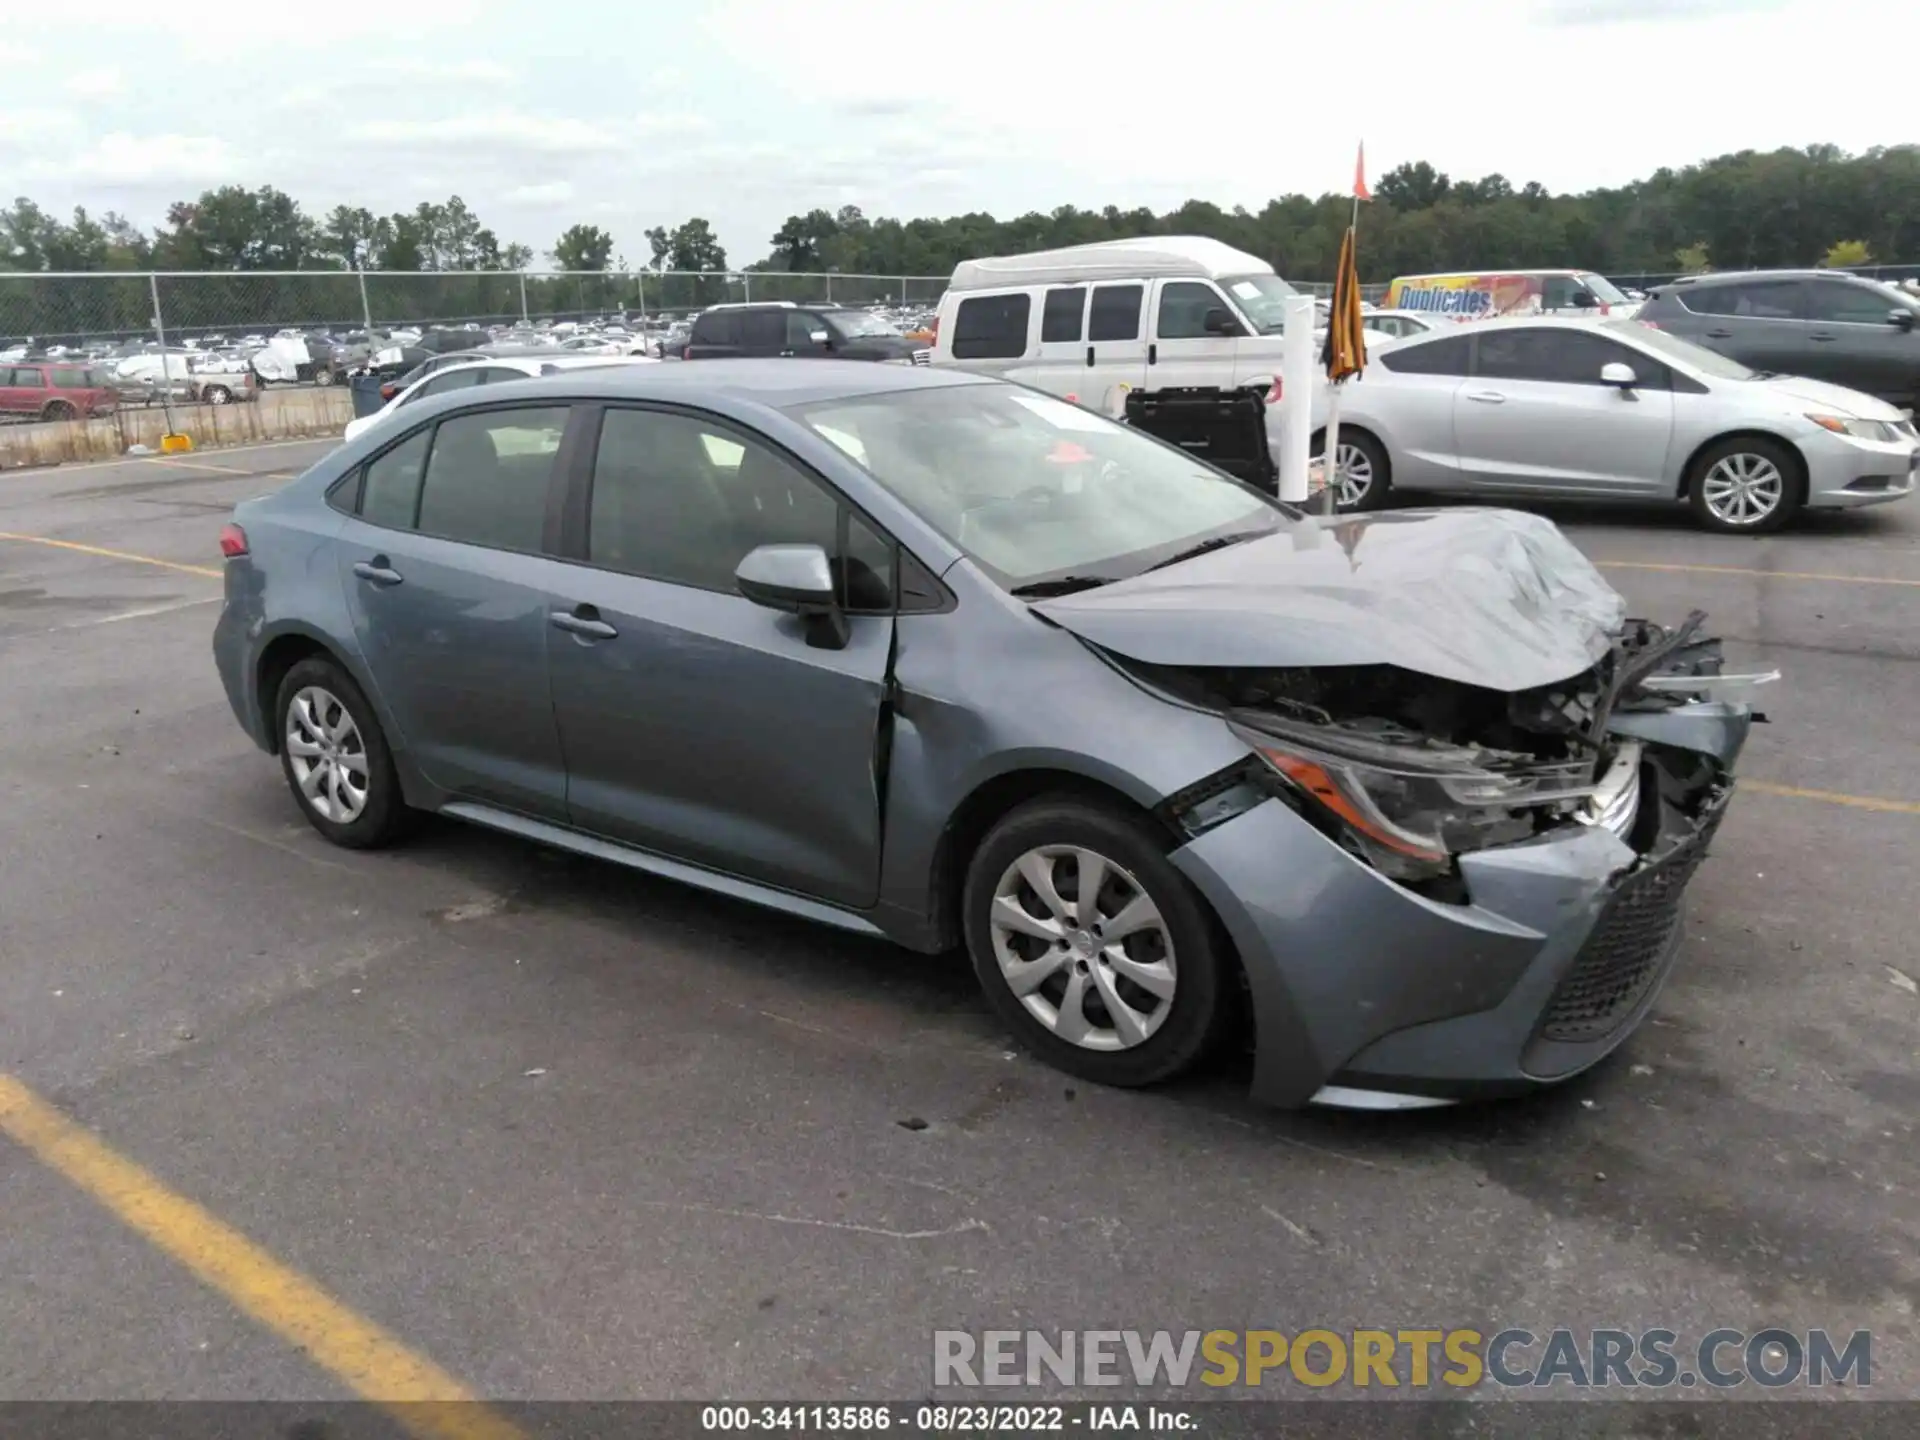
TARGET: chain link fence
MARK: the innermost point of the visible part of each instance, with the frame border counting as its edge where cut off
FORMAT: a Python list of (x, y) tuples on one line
[(78, 311)]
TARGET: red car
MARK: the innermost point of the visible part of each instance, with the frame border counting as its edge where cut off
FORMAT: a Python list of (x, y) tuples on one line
[(51, 390)]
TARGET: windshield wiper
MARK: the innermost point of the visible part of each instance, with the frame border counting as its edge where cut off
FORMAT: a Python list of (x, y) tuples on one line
[(1064, 585), (1218, 542)]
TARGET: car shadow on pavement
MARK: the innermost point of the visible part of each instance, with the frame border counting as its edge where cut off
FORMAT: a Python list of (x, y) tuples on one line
[(1674, 519)]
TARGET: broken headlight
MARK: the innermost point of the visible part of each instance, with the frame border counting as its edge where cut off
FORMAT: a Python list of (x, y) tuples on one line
[(1409, 805)]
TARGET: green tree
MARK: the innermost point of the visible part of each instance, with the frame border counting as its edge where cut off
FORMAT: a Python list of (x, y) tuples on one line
[(1847, 252), (583, 247), (1692, 259), (234, 228), (1413, 186)]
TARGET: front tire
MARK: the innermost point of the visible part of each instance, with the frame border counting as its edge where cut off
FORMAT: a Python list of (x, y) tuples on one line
[(217, 395), (1746, 485), (1362, 473), (1091, 946), (336, 759)]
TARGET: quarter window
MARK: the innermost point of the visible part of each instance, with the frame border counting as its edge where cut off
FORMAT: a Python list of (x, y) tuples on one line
[(1115, 313), (390, 485), (991, 327), (1448, 356), (487, 475), (70, 379)]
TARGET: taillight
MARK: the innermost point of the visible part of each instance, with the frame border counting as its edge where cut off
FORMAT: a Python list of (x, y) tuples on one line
[(386, 392), (1275, 392), (233, 541), (1651, 324)]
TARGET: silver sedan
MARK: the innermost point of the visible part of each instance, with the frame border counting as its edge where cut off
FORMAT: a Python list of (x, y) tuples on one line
[(1613, 410)]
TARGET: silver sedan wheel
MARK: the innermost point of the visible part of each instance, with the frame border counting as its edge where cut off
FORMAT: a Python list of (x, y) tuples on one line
[(1743, 489), (1353, 476), (328, 755), (1083, 947)]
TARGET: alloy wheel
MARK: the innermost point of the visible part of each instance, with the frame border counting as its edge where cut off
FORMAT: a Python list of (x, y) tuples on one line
[(1353, 476), (328, 755), (1083, 947), (1743, 489)]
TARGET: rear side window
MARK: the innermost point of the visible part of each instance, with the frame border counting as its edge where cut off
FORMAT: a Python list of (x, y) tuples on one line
[(992, 327), (1063, 319), (441, 384), (717, 327), (1115, 314), (764, 330), (68, 379), (1748, 300), (1447, 356), (487, 474)]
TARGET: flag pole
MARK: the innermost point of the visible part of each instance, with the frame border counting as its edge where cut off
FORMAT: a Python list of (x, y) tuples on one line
[(1324, 501)]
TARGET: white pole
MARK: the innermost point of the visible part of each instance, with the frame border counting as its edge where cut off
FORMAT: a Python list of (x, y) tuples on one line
[(1296, 396), (1330, 455)]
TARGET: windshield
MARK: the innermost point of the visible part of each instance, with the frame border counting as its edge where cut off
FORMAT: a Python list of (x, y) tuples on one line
[(1604, 290), (1036, 489), (1672, 347), (1259, 297), (855, 323)]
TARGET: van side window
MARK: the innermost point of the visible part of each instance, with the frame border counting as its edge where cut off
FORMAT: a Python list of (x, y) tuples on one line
[(1064, 315), (992, 327), (1116, 312)]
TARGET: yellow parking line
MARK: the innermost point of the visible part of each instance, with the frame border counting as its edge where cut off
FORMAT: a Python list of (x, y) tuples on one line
[(1833, 797), (426, 1401), (76, 546), (1763, 574)]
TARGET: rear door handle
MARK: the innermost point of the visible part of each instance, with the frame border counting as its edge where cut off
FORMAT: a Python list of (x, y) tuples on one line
[(582, 620), (1153, 354), (378, 570), (1719, 334), (1089, 354), (1822, 339), (1487, 397)]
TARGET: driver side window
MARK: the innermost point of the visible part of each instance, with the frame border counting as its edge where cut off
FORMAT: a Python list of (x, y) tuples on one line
[(1183, 309)]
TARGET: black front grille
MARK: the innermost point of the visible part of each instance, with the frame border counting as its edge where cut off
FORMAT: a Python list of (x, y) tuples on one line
[(1624, 954)]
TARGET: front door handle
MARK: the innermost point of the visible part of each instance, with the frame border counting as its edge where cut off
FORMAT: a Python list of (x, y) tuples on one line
[(1089, 354), (379, 570), (584, 621), (1821, 339), (1487, 397), (1719, 334), (1153, 354)]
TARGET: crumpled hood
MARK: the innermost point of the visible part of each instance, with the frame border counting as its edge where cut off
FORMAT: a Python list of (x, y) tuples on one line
[(1495, 598)]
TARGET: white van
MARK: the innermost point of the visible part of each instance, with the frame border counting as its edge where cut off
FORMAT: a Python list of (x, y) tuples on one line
[(1090, 322)]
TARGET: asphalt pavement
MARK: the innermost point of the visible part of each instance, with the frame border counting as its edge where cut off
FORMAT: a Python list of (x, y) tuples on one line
[(548, 1129)]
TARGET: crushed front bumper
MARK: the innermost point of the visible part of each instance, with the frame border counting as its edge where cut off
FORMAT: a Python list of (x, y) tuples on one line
[(1363, 987)]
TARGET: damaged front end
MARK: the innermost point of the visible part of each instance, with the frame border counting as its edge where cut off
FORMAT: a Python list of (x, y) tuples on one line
[(1409, 772)]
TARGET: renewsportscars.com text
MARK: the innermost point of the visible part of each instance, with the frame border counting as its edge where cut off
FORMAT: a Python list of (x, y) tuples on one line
[(1416, 1359)]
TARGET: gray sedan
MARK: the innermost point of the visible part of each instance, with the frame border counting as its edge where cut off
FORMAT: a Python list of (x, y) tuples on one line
[(1613, 410), (941, 659)]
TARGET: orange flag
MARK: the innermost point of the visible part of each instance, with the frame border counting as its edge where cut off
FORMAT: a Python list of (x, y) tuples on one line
[(1360, 191)]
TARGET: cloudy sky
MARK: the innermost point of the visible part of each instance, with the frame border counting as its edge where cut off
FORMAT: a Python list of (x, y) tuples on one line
[(637, 113)]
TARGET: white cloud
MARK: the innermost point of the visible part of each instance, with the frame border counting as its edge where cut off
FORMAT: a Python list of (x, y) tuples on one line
[(553, 192), (491, 130), (490, 70), (666, 124), (97, 84), (120, 158), (28, 127)]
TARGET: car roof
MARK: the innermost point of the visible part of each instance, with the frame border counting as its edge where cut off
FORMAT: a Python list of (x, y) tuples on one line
[(1716, 277), (774, 383)]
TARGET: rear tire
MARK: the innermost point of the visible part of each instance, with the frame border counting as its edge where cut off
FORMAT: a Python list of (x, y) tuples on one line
[(1746, 485), (335, 757), (217, 395), (1125, 986), (59, 410)]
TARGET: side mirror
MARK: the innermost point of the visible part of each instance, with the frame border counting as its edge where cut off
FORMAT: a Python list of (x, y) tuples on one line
[(1218, 322), (1583, 300), (1614, 372), (798, 580), (1902, 317)]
